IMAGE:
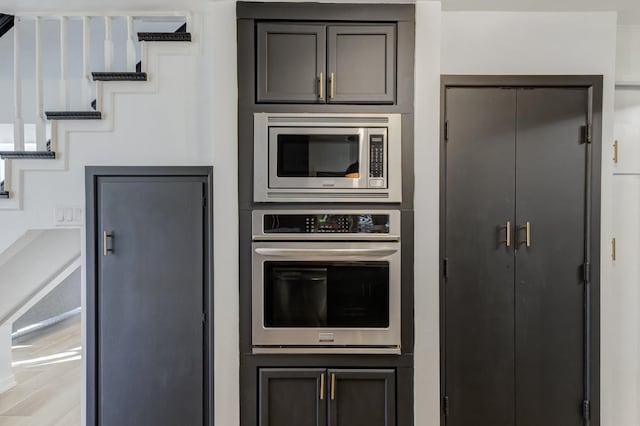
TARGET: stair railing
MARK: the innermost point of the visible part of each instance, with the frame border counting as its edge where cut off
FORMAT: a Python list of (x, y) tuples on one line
[(87, 91)]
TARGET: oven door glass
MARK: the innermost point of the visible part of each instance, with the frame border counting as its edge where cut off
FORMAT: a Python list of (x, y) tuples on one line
[(317, 158), (326, 294)]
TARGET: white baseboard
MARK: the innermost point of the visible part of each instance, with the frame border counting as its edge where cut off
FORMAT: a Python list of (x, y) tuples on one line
[(7, 383)]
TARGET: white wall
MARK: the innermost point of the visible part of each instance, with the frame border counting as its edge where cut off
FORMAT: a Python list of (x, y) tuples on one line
[(502, 43), (427, 226)]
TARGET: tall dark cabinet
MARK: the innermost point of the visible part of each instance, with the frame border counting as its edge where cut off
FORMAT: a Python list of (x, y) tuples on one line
[(149, 296), (520, 238), (325, 59)]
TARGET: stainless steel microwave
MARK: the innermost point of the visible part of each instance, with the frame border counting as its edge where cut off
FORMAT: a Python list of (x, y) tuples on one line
[(311, 157)]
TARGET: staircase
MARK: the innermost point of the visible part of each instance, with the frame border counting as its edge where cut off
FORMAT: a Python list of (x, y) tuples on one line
[(98, 87), (124, 117)]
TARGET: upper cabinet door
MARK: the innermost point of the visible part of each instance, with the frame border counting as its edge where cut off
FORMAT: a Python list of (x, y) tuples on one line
[(291, 63), (361, 64)]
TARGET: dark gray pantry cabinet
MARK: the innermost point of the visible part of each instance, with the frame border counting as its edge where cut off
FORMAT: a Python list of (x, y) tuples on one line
[(327, 397), (520, 246), (310, 62)]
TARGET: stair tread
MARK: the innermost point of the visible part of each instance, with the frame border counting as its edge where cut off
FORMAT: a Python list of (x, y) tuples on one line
[(164, 36), (27, 155), (119, 76), (73, 115)]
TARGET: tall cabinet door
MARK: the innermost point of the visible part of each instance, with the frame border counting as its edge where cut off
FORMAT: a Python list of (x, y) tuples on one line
[(551, 176), (150, 301), (291, 63), (479, 290)]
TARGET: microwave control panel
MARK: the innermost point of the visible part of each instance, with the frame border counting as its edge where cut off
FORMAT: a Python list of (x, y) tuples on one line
[(376, 156), (326, 223)]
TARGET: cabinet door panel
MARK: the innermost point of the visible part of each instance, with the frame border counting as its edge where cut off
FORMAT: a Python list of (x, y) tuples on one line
[(292, 397), (623, 299), (149, 301), (362, 398), (627, 130), (551, 188), (290, 60), (478, 294), (362, 60)]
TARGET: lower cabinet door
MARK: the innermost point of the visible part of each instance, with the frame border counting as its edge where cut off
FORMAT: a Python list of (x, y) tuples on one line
[(362, 397), (293, 397)]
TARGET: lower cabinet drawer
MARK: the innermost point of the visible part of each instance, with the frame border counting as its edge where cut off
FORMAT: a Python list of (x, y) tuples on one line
[(325, 396)]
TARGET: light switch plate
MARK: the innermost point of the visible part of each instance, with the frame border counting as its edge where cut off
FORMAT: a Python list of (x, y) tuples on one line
[(68, 215)]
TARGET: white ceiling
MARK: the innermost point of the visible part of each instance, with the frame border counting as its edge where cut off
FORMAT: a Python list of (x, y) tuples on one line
[(628, 10)]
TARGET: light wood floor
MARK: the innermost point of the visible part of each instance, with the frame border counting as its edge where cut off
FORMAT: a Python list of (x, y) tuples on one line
[(47, 367)]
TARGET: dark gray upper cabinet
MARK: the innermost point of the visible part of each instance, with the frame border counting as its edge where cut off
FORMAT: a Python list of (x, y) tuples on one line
[(291, 61), (362, 397), (290, 396), (319, 63), (361, 63)]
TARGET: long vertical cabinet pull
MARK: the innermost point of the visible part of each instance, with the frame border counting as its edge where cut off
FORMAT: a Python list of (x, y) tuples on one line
[(613, 250), (322, 387), (321, 86), (333, 386), (332, 86), (508, 230), (615, 152), (527, 228)]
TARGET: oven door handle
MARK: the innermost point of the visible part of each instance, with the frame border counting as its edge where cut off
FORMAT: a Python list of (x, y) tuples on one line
[(292, 252)]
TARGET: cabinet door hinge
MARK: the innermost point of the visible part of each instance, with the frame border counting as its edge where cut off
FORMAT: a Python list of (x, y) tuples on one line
[(586, 272), (586, 409), (445, 268), (446, 130), (445, 405), (587, 133)]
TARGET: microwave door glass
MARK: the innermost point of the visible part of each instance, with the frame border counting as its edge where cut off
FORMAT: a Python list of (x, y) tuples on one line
[(318, 155), (326, 294)]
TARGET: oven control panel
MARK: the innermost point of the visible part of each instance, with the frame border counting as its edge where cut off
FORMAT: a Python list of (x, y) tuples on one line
[(279, 224)]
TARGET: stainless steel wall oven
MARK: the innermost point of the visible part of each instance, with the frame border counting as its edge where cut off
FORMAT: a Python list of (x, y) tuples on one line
[(326, 282)]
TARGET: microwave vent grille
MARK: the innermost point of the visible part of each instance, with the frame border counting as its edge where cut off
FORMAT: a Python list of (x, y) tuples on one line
[(330, 120)]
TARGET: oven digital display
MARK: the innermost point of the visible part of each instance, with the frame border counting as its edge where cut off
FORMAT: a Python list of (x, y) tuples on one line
[(326, 223)]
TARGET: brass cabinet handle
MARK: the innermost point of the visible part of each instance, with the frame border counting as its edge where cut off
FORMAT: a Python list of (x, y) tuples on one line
[(615, 152), (332, 86), (527, 228), (613, 249), (508, 229), (333, 386), (321, 386), (105, 243), (321, 86)]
